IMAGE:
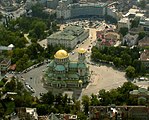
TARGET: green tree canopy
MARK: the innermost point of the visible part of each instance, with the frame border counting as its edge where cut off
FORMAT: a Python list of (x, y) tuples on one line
[(123, 31), (86, 103), (141, 35), (130, 72), (142, 4), (1, 15), (38, 29), (135, 22)]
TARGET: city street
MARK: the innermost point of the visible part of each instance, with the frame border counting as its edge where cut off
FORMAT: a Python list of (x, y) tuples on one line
[(34, 78)]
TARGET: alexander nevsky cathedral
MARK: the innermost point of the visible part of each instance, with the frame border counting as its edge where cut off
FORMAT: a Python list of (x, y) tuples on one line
[(64, 73)]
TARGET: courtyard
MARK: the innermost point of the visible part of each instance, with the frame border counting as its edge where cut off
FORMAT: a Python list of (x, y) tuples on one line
[(103, 77)]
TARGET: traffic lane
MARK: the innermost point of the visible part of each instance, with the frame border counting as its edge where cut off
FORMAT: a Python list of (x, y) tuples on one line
[(34, 78)]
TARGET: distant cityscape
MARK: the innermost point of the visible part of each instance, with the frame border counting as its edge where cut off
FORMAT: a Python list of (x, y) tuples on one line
[(74, 60)]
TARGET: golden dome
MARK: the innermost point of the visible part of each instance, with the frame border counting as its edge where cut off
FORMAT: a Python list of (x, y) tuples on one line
[(80, 81), (61, 54), (81, 50)]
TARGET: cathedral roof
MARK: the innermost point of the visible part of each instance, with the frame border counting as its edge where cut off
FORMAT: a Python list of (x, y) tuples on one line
[(53, 117), (59, 68), (61, 54), (82, 65), (73, 76), (73, 65), (81, 50), (51, 64)]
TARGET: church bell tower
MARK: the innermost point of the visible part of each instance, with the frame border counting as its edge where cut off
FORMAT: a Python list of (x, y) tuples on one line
[(81, 55)]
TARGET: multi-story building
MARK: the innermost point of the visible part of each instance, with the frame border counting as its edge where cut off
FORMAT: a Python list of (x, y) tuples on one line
[(144, 42), (27, 113), (124, 22), (4, 65), (114, 13), (144, 58), (69, 37), (76, 10), (130, 40)]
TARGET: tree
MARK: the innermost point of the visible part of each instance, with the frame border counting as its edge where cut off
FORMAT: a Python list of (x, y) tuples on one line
[(94, 100), (117, 62), (2, 110), (142, 4), (123, 31), (10, 86), (77, 106), (42, 109), (39, 29), (17, 54), (126, 58), (23, 100), (48, 98), (135, 22), (130, 72), (125, 91), (110, 19), (141, 35), (22, 63), (37, 11), (54, 26), (24, 24), (81, 116), (1, 15), (85, 103)]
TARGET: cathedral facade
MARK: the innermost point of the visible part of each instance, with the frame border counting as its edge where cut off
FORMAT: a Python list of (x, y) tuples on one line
[(62, 72)]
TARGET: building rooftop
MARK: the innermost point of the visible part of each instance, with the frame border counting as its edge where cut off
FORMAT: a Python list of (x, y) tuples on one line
[(69, 33), (112, 35), (130, 37), (132, 11), (124, 20), (99, 4), (141, 91), (139, 14), (61, 54), (144, 55), (144, 42)]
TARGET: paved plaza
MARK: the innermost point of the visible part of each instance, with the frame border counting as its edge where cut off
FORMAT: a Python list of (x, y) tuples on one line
[(104, 77)]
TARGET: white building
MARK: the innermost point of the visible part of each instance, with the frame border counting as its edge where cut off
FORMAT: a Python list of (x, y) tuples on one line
[(124, 22), (67, 10), (69, 37), (130, 40), (131, 13), (63, 12), (114, 13)]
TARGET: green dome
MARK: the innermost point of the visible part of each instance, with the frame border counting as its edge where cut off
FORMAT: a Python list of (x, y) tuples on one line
[(59, 68), (81, 65)]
